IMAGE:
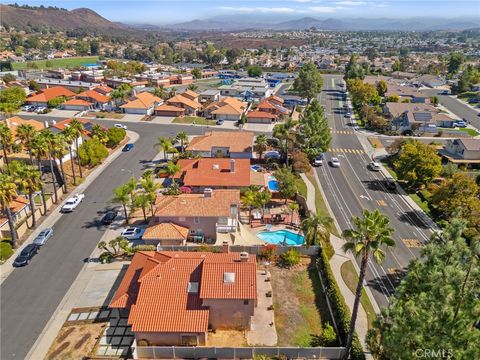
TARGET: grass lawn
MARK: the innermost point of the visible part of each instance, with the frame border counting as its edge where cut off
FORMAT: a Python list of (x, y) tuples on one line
[(193, 119), (349, 275), (73, 62), (299, 304), (471, 132), (105, 114), (302, 187)]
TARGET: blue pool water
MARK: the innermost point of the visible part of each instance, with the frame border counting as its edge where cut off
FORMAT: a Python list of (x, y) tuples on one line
[(281, 237), (272, 183)]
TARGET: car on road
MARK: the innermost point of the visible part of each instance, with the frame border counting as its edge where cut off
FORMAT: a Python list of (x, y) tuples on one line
[(40, 109), (374, 166), (445, 92), (318, 161), (127, 147), (43, 236), (133, 233), (390, 184), (219, 122), (28, 108), (348, 114), (121, 126), (26, 255), (460, 124), (109, 217), (334, 162), (473, 101), (72, 203)]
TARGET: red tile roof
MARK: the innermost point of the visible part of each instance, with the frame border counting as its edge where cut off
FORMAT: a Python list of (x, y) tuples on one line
[(214, 172), (261, 114), (166, 230), (95, 95), (144, 100), (51, 93), (77, 102), (156, 288), (180, 99), (235, 141)]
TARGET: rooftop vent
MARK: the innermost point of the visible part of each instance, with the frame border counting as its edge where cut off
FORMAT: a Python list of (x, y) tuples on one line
[(228, 278), (207, 192), (244, 256), (216, 167)]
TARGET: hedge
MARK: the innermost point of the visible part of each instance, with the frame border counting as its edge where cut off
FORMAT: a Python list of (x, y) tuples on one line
[(341, 312), (5, 250)]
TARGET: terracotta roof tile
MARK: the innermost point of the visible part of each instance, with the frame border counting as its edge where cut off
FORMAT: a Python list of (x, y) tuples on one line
[(51, 93), (261, 114), (236, 141), (166, 231), (77, 102), (166, 107), (95, 95), (179, 99), (14, 122), (144, 100)]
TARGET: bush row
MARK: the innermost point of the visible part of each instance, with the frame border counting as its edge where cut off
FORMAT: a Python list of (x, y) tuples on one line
[(341, 312)]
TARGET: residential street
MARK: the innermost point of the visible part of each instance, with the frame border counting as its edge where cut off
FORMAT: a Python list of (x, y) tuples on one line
[(352, 187), (30, 295)]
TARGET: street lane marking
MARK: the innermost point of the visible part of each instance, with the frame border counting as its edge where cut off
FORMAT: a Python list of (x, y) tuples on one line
[(342, 132), (348, 151), (412, 243), (381, 203)]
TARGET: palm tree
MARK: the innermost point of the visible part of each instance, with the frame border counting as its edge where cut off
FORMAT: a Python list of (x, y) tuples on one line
[(8, 192), (261, 199), (165, 145), (6, 140), (131, 185), (160, 92), (26, 133), (192, 87), (316, 227), (283, 132), (100, 133), (370, 233), (121, 195), (143, 201), (249, 199), (40, 150), (150, 187), (77, 131), (172, 168), (50, 140), (183, 138), (59, 150), (70, 138), (261, 144)]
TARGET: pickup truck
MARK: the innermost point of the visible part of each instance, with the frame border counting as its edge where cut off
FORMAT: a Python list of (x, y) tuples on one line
[(72, 203)]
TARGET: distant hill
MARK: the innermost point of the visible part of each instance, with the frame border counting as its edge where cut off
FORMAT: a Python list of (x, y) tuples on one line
[(58, 19)]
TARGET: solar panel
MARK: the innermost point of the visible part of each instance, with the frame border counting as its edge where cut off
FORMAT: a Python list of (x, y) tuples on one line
[(422, 116)]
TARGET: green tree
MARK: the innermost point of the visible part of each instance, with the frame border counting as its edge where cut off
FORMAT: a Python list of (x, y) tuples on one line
[(116, 247), (284, 133), (171, 169), (142, 201), (53, 103), (370, 234), (69, 136), (92, 152), (8, 192), (287, 182), (197, 73), (150, 187), (165, 145), (313, 132), (249, 199), (26, 133), (255, 71), (100, 133), (353, 70), (455, 62), (316, 228), (260, 144), (40, 151), (14, 96), (121, 195), (182, 137), (59, 151), (309, 81), (33, 85), (115, 136), (49, 139), (6, 140), (94, 47), (77, 130), (362, 93), (192, 87), (382, 88), (417, 163), (9, 78), (262, 198), (436, 305), (393, 98), (434, 100)]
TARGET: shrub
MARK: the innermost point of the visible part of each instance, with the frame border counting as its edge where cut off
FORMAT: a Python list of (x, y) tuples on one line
[(291, 257), (144, 248), (269, 252), (105, 257), (53, 103), (92, 152), (300, 162), (328, 337), (115, 136), (207, 248), (5, 250)]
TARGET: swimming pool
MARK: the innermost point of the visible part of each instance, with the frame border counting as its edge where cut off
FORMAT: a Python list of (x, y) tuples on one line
[(272, 183), (281, 237)]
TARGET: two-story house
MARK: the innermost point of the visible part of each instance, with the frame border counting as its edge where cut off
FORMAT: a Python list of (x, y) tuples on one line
[(462, 151)]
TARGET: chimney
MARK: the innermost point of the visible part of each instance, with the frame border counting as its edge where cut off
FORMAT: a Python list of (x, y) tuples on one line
[(232, 165), (244, 256), (225, 247), (207, 193)]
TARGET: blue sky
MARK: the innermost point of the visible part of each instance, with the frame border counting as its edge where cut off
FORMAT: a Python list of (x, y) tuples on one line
[(167, 11)]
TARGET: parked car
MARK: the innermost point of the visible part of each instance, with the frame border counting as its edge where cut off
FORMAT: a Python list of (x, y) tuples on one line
[(120, 126), (219, 122), (43, 236), (445, 92), (26, 255), (374, 166), (72, 203), (390, 184), (40, 109), (473, 101), (28, 108), (133, 233), (334, 162), (318, 161), (127, 147), (109, 217), (460, 124)]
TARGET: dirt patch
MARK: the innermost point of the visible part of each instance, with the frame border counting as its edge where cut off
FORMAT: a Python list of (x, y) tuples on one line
[(375, 142), (227, 338), (75, 342), (299, 304)]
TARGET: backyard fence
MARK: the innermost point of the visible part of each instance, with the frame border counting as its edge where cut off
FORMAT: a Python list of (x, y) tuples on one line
[(192, 352), (251, 249)]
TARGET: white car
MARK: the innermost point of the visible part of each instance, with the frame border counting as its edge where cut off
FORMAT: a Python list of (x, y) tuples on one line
[(334, 162), (374, 166), (133, 233), (40, 109), (120, 126), (72, 203)]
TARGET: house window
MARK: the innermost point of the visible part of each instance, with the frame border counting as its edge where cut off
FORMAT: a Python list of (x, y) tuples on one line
[(196, 220), (245, 302), (192, 232), (189, 340)]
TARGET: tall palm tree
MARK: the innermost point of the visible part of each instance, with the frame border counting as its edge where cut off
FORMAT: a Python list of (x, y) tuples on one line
[(40, 150), (192, 87), (143, 201), (172, 168), (261, 144), (150, 187), (6, 140), (316, 227), (165, 145), (121, 195), (183, 138), (50, 141), (262, 198), (70, 138), (283, 132), (59, 150), (77, 131), (131, 185), (8, 192), (26, 133), (370, 233)]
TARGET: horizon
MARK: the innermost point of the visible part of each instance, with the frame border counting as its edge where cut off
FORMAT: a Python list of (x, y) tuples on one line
[(165, 12)]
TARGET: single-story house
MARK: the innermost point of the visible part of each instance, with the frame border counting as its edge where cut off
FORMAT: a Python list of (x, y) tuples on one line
[(169, 110), (261, 117), (77, 105), (103, 89), (143, 103), (173, 298), (49, 94), (14, 122), (166, 233), (233, 144), (462, 151), (228, 108), (416, 116), (203, 214), (20, 208)]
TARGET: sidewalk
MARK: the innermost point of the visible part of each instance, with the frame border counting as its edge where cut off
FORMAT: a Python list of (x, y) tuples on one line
[(7, 267), (336, 262)]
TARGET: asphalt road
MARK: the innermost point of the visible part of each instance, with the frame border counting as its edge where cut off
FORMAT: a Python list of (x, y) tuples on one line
[(457, 107), (353, 187), (30, 295)]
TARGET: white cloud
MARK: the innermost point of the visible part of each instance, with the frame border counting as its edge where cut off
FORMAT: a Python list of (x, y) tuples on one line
[(324, 9), (350, 3)]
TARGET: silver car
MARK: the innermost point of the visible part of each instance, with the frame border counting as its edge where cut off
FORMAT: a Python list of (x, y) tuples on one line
[(43, 236)]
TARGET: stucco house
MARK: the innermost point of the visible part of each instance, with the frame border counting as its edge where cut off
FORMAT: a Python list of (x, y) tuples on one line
[(185, 102), (167, 233), (143, 103), (229, 109), (77, 105), (173, 298), (233, 144), (462, 151), (45, 95), (99, 100)]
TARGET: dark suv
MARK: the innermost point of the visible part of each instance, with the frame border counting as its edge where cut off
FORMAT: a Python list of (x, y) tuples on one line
[(108, 218), (26, 255), (390, 184)]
